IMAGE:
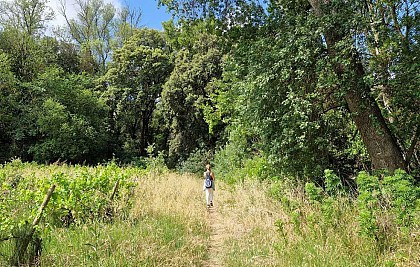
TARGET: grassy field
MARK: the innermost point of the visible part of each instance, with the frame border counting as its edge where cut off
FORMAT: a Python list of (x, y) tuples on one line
[(252, 224)]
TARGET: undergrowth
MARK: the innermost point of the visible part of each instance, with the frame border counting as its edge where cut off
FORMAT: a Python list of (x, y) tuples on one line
[(161, 219)]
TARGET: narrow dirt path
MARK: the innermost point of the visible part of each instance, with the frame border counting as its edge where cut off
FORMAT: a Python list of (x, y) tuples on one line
[(242, 223), (217, 238)]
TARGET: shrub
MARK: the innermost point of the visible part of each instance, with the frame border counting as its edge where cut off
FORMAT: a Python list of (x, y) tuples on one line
[(333, 185), (387, 205), (196, 161), (313, 192)]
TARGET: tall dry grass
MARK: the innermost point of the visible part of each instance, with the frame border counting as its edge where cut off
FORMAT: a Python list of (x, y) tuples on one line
[(167, 226), (329, 234), (241, 224), (253, 224), (256, 229), (177, 198), (250, 227), (245, 225)]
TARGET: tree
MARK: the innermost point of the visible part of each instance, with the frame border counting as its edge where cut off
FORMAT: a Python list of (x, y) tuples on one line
[(284, 107), (23, 23), (128, 20), (92, 30), (332, 30), (133, 87), (27, 16), (98, 29), (187, 92), (66, 54), (392, 43), (70, 119), (8, 105), (377, 137)]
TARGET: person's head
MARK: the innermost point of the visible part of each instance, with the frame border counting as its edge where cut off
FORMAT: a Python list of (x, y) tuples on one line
[(208, 167)]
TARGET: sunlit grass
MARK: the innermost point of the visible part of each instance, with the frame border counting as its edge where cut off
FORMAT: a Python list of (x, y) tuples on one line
[(165, 228), (291, 231), (253, 224), (151, 241)]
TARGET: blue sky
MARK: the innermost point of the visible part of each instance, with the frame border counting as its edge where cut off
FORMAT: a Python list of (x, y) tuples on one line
[(152, 16)]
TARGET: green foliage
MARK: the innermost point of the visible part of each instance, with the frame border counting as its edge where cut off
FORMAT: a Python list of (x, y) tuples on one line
[(333, 185), (184, 35), (230, 159), (9, 99), (394, 68), (388, 204), (279, 190), (28, 57), (313, 192), (82, 194), (187, 92), (330, 200), (156, 164), (133, 87), (328, 230), (287, 85), (254, 168), (235, 162), (65, 55), (6, 76), (368, 202), (83, 226), (26, 245), (403, 197), (196, 162), (92, 30), (279, 100), (29, 17), (266, 87), (70, 120)]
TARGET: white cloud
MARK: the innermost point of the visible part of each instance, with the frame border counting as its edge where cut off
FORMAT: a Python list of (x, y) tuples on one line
[(71, 10)]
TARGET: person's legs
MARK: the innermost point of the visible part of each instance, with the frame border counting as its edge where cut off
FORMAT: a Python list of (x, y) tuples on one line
[(208, 196), (211, 196)]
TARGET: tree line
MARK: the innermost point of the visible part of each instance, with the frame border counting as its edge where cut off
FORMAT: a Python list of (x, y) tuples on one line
[(291, 87)]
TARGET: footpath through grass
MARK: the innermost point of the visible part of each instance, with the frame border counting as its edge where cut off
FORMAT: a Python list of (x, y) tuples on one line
[(252, 224)]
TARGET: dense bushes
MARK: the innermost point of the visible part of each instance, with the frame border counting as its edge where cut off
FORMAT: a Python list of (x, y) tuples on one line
[(376, 226), (82, 195)]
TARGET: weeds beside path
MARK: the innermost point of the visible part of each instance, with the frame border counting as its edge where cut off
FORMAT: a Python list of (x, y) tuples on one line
[(242, 227), (163, 221), (238, 231), (169, 225)]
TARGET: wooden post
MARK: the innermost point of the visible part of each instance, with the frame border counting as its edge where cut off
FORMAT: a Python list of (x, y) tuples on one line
[(115, 189), (23, 241), (43, 205)]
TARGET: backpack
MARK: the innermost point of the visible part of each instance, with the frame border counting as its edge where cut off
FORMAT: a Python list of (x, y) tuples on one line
[(208, 182)]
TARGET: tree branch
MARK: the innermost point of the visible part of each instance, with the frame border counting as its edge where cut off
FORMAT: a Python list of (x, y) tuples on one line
[(414, 143)]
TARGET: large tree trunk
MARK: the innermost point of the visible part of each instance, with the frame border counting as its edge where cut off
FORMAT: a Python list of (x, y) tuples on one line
[(380, 143), (378, 139)]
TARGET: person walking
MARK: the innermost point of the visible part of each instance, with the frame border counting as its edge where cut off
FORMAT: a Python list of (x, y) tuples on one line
[(208, 185)]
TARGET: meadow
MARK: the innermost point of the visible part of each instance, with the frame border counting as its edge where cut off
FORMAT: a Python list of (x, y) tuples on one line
[(158, 218)]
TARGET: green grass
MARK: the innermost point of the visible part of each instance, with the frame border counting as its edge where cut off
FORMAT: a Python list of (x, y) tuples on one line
[(295, 232), (156, 240), (146, 228), (255, 224)]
